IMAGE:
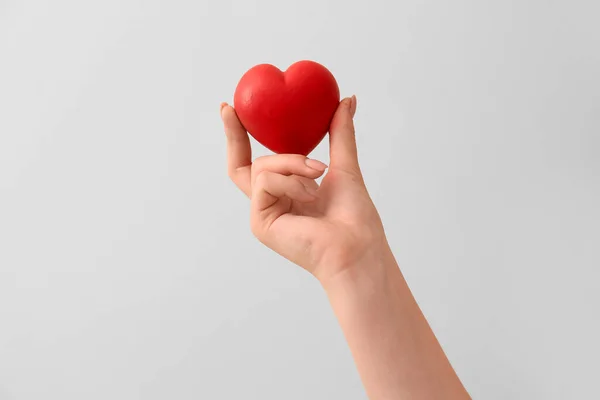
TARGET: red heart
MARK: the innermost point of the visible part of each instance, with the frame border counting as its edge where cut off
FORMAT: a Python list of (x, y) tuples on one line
[(287, 112)]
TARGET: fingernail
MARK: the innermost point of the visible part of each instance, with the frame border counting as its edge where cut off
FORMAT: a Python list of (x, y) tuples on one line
[(353, 105), (223, 105), (314, 164)]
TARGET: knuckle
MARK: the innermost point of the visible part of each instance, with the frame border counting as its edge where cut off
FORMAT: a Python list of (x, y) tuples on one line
[(259, 161), (257, 165), (261, 178), (256, 227), (296, 183)]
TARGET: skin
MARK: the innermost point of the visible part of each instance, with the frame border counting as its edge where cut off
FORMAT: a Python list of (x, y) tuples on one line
[(334, 231)]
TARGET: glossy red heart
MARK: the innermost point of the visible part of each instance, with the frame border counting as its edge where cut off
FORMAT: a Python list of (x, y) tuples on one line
[(287, 112)]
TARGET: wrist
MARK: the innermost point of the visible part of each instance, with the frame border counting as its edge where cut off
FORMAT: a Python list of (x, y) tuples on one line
[(373, 269)]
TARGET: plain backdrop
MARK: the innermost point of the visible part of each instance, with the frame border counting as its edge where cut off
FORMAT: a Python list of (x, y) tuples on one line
[(127, 266)]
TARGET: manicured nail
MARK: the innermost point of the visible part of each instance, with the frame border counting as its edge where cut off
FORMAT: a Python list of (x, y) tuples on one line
[(353, 105), (223, 105), (314, 164)]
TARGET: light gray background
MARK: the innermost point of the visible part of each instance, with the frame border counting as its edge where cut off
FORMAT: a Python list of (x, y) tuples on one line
[(127, 267)]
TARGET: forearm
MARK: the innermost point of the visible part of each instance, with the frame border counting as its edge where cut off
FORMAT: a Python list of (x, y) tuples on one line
[(396, 353)]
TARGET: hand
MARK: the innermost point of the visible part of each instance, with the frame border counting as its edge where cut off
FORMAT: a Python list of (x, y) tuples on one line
[(326, 229), (334, 231)]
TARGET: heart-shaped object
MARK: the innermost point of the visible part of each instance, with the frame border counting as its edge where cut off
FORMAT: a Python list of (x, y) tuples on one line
[(287, 111)]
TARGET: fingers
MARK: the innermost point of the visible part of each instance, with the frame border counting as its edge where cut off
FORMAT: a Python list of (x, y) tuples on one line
[(342, 142), (288, 164), (243, 171), (269, 187), (310, 183), (239, 153), (279, 175)]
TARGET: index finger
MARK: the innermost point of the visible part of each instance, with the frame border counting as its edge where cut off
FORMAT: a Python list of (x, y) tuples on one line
[(239, 153)]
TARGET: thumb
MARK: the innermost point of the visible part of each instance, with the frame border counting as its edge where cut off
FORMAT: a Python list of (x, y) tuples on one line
[(342, 142)]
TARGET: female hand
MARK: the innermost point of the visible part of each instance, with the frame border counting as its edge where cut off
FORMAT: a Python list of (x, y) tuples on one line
[(334, 231), (326, 229)]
